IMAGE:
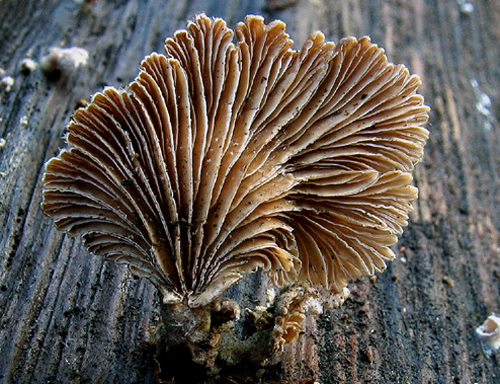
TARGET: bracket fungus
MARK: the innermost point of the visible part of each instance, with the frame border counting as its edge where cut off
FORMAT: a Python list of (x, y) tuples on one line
[(224, 157)]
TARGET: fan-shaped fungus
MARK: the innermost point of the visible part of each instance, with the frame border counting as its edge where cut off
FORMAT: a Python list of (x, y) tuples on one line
[(221, 158)]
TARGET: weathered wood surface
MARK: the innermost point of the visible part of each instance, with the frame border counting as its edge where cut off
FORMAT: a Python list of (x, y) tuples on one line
[(67, 317)]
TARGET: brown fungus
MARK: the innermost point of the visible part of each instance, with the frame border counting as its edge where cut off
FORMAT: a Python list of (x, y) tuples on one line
[(221, 158)]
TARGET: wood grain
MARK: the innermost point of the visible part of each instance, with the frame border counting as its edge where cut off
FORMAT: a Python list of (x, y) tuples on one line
[(68, 317)]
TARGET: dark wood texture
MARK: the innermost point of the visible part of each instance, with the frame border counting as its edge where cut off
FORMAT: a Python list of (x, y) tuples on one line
[(68, 317)]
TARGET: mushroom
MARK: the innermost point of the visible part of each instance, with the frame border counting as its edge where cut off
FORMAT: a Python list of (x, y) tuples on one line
[(222, 158)]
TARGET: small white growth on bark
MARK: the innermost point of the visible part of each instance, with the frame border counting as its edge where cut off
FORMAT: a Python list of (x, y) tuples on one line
[(27, 65), (65, 60), (7, 83), (489, 335)]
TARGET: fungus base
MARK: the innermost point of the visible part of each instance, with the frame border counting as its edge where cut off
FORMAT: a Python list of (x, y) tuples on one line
[(218, 336)]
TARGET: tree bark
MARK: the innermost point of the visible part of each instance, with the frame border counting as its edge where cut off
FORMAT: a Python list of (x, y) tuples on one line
[(69, 317)]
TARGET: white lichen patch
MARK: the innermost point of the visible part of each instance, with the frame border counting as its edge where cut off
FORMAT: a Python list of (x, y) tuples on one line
[(489, 335), (2, 143)]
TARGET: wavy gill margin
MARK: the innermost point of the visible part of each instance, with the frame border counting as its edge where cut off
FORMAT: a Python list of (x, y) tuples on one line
[(224, 157)]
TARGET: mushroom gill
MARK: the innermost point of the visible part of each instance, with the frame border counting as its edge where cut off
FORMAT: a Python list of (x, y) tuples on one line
[(224, 157)]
